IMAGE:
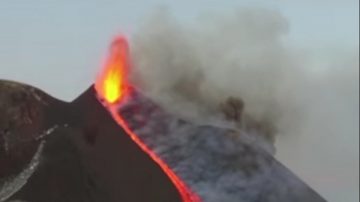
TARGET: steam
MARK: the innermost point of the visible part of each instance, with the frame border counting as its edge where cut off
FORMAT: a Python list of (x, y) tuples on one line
[(192, 69)]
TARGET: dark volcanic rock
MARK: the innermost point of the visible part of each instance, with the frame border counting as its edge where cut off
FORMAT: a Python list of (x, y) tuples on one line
[(80, 153), (22, 114)]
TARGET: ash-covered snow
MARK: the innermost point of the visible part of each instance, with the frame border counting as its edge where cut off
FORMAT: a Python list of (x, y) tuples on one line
[(14, 184), (218, 163)]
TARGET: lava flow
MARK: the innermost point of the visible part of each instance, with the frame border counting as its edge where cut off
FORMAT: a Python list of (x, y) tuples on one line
[(112, 87)]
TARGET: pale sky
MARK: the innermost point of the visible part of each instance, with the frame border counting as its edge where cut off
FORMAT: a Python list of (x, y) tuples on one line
[(57, 45), (54, 36)]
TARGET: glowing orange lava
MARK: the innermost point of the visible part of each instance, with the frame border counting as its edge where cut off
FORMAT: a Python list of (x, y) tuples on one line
[(111, 83), (112, 86)]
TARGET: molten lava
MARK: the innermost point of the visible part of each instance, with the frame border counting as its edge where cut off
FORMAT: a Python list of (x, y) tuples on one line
[(111, 83), (112, 86)]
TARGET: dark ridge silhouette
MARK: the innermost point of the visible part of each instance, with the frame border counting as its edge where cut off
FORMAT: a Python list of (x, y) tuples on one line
[(87, 157)]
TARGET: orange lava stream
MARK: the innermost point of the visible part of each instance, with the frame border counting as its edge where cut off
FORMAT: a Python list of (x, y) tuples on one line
[(112, 86), (186, 194)]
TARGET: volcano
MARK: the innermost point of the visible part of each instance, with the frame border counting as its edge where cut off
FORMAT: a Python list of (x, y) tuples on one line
[(78, 157), (115, 144)]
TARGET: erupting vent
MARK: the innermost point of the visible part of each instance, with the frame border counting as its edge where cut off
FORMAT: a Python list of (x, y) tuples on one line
[(111, 83), (112, 87)]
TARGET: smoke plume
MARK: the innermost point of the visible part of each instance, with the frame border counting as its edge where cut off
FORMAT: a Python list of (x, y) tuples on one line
[(193, 69)]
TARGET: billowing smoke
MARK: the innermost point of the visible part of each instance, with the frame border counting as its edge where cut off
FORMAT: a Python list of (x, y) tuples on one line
[(192, 70)]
